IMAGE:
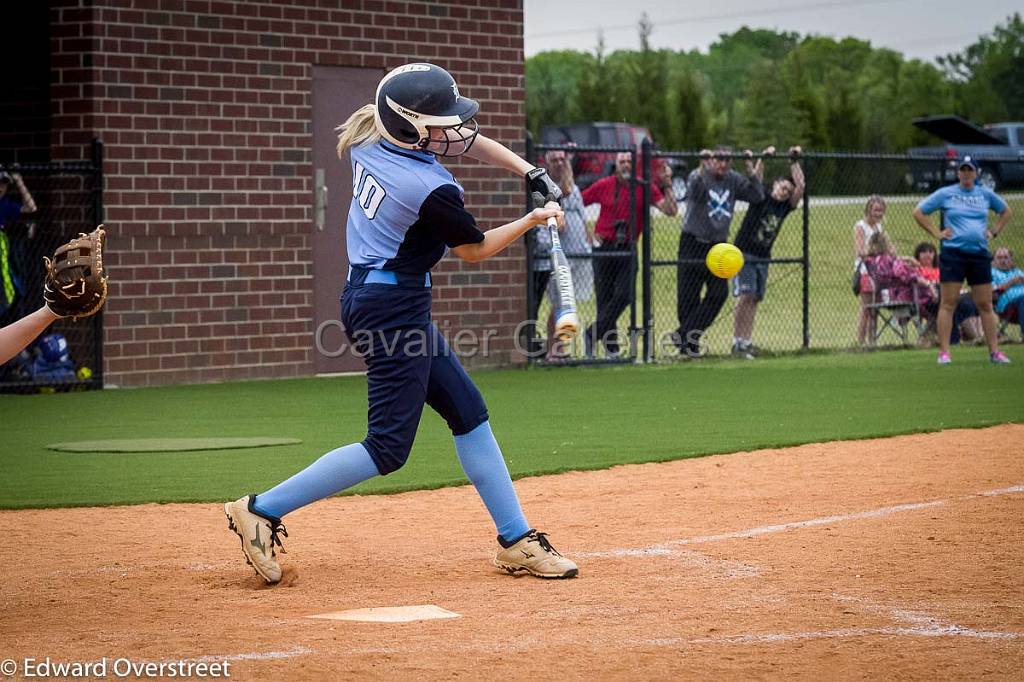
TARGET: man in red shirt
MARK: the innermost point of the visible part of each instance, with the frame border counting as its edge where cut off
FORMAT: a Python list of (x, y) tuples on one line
[(615, 234)]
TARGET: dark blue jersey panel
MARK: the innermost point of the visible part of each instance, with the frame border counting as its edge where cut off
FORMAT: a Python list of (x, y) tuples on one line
[(443, 221)]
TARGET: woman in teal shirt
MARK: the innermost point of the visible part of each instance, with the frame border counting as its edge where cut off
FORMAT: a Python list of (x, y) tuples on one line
[(965, 253)]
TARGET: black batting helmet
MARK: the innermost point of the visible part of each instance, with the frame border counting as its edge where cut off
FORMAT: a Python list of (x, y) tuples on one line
[(415, 98)]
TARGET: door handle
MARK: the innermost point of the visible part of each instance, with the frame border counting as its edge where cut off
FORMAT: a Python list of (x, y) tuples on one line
[(320, 199)]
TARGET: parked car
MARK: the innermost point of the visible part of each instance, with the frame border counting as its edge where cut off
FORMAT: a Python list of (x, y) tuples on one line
[(998, 149), (589, 166)]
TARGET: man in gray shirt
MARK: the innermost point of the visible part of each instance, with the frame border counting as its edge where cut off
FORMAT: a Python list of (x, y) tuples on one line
[(711, 194)]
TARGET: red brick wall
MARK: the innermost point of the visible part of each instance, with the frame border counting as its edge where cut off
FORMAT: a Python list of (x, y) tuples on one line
[(205, 108)]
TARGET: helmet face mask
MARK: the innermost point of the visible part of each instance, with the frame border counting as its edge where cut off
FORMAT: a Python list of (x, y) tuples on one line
[(452, 140), (418, 107)]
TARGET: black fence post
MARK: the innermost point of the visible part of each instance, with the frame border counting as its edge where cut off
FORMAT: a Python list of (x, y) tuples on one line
[(807, 255), (635, 224), (97, 207), (645, 250)]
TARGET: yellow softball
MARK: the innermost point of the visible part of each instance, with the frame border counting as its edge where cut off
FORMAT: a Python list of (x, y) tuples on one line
[(724, 260)]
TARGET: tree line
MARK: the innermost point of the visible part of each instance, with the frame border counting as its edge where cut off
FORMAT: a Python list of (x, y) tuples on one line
[(756, 87)]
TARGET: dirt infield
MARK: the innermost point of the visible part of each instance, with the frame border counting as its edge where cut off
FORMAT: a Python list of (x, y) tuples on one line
[(895, 558)]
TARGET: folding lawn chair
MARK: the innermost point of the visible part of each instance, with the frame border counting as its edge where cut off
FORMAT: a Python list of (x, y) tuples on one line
[(896, 305), (1009, 316)]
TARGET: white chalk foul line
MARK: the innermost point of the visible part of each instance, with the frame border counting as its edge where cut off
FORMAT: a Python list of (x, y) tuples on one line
[(844, 633), (820, 521), (1000, 491), (664, 549), (923, 624)]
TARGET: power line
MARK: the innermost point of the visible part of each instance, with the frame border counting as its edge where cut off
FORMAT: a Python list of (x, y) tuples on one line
[(790, 9)]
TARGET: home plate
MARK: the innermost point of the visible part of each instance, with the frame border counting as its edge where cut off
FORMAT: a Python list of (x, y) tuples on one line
[(390, 614)]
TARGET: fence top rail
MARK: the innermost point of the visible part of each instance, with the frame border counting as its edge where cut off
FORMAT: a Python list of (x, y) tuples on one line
[(937, 155), (782, 156), (584, 148)]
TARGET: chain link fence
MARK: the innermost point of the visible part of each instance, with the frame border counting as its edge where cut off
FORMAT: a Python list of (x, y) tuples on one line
[(851, 195), (797, 295), (600, 242), (693, 313), (68, 201)]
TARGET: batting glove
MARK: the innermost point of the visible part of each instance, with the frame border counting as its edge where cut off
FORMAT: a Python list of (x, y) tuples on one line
[(539, 182)]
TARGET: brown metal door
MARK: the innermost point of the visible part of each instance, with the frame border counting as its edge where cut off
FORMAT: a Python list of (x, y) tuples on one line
[(337, 92)]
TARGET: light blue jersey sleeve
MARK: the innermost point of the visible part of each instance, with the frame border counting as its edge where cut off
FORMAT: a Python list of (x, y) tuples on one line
[(995, 202), (933, 201)]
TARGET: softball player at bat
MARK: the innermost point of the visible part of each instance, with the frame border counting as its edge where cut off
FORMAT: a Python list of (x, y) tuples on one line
[(407, 211)]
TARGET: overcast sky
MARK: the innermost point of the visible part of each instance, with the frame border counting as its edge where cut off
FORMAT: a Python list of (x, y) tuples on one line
[(918, 28)]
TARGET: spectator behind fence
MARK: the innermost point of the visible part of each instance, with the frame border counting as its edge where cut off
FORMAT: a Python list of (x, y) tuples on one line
[(13, 258), (617, 231), (966, 322), (575, 241), (927, 263), (755, 238), (928, 269), (900, 278), (711, 194), (863, 230), (540, 272), (1008, 285), (965, 253)]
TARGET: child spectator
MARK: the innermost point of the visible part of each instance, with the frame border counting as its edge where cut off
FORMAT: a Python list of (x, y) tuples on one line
[(863, 230), (755, 238), (966, 322)]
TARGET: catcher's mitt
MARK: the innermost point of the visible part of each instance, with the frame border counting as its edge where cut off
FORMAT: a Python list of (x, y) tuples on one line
[(75, 282)]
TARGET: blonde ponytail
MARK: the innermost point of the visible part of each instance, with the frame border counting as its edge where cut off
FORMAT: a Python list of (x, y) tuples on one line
[(359, 129)]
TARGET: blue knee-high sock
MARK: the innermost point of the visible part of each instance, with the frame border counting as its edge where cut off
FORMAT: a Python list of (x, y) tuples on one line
[(481, 459), (337, 470)]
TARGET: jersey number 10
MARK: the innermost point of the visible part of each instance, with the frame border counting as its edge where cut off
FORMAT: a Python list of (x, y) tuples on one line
[(368, 192)]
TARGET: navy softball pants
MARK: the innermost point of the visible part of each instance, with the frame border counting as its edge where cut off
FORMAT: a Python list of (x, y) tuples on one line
[(409, 364)]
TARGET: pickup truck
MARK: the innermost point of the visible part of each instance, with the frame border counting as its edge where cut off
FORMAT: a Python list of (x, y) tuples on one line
[(590, 166), (997, 148)]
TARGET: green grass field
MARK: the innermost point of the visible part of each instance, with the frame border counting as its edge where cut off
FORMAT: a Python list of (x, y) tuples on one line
[(547, 421), (833, 307)]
